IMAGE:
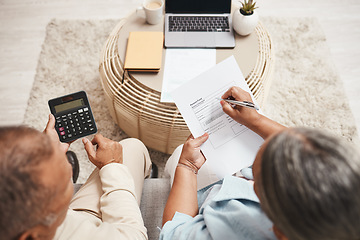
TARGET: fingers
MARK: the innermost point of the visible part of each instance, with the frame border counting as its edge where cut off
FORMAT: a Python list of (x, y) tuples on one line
[(190, 137), (98, 140), (228, 93), (228, 109), (89, 148), (196, 142), (51, 123), (200, 140), (237, 93)]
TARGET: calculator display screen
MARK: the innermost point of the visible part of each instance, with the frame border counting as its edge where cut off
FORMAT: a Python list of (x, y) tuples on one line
[(69, 105)]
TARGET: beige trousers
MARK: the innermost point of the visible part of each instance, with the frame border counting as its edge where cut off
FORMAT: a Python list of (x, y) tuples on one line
[(136, 158)]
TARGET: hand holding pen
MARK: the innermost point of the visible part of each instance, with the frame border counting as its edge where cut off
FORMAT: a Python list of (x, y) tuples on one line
[(245, 114), (242, 103)]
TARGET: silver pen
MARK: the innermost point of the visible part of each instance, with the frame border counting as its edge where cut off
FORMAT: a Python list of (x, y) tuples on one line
[(242, 104)]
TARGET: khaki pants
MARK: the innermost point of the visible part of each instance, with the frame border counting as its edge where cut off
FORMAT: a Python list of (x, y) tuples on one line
[(136, 158)]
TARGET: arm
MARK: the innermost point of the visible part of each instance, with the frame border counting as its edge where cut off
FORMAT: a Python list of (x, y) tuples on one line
[(118, 205), (183, 194), (249, 117)]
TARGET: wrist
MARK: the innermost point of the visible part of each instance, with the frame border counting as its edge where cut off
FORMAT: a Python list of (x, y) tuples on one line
[(100, 165), (186, 165), (255, 123)]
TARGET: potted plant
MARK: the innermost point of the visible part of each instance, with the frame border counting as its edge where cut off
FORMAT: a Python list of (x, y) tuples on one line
[(245, 19)]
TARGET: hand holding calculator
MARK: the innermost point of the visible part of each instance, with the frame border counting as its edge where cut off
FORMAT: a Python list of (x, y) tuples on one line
[(73, 116)]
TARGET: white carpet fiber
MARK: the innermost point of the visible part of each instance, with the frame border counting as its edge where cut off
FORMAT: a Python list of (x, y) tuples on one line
[(305, 91)]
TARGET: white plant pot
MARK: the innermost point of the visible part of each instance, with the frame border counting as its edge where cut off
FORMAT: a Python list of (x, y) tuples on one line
[(244, 25)]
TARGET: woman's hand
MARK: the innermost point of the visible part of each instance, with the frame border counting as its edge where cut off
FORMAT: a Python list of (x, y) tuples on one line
[(183, 194), (191, 154), (242, 115), (249, 117)]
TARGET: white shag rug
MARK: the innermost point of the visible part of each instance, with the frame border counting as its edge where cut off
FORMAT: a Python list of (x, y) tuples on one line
[(305, 91)]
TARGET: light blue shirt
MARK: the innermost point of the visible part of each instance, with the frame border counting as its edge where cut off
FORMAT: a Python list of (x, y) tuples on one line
[(228, 209)]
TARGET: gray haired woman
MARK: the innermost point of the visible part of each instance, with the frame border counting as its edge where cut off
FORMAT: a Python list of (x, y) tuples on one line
[(305, 180), (307, 183)]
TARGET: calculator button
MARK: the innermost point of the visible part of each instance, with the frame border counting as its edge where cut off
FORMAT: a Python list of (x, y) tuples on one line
[(69, 135), (91, 129), (86, 109), (80, 110), (61, 129), (62, 133)]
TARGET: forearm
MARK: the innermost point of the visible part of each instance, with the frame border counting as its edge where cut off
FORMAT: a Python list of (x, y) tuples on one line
[(265, 127), (183, 195)]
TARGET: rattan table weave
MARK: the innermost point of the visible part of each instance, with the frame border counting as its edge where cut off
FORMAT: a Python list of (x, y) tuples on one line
[(135, 102)]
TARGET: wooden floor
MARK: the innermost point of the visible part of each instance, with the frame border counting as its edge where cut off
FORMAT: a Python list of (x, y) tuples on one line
[(23, 22)]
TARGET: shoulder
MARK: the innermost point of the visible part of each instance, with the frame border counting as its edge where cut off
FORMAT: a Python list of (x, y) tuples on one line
[(230, 210), (235, 211)]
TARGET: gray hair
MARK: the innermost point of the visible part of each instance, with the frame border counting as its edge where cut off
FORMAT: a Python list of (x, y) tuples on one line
[(24, 199), (309, 183)]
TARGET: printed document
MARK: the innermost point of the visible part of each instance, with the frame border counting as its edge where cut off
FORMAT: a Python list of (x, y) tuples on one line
[(182, 65), (231, 146)]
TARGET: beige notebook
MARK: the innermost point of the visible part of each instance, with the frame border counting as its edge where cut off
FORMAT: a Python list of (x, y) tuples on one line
[(144, 51)]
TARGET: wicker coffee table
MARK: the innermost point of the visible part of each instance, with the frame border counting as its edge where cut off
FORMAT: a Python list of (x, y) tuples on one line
[(135, 102)]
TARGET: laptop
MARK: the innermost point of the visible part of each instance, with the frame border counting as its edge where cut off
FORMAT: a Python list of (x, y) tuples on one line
[(198, 24)]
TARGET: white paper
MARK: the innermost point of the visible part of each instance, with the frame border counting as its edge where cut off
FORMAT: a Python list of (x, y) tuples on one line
[(181, 65), (231, 146)]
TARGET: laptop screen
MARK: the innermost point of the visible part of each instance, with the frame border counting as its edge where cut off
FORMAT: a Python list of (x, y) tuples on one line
[(197, 6)]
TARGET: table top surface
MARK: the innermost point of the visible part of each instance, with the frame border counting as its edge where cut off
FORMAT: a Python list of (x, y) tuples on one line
[(245, 52)]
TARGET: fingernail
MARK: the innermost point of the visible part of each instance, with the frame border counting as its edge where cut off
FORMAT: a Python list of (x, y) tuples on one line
[(85, 140)]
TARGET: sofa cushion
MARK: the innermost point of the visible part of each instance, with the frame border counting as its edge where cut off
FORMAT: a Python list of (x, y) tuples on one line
[(153, 200)]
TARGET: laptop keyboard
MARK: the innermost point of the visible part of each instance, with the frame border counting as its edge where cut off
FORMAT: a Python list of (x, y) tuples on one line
[(198, 24)]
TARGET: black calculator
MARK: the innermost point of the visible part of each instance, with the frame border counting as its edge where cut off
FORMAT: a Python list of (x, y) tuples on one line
[(73, 116)]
